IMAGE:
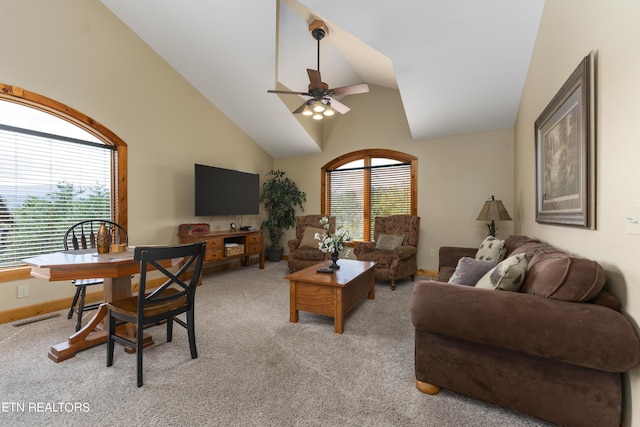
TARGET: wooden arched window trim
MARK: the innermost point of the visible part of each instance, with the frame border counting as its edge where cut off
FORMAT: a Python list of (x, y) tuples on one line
[(64, 112), (367, 155)]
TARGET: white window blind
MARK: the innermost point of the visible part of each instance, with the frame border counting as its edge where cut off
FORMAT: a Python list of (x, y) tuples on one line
[(47, 183), (347, 199), (367, 192), (390, 190)]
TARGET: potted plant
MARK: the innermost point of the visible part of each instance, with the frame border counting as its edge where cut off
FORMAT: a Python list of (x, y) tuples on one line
[(280, 196)]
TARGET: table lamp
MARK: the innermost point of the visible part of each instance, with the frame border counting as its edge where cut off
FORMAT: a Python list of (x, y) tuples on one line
[(493, 210)]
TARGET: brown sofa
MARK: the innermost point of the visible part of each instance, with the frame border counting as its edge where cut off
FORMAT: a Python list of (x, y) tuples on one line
[(555, 350)]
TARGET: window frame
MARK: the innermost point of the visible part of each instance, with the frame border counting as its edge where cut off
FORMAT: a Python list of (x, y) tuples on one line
[(119, 186), (366, 155)]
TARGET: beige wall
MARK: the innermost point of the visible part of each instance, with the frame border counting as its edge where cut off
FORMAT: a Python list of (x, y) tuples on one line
[(455, 174), (77, 52), (569, 30)]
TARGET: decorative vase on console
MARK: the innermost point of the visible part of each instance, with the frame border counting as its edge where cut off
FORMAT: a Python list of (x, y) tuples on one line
[(332, 243)]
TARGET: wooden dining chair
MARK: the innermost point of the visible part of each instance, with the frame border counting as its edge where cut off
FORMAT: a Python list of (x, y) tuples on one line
[(82, 235), (174, 297)]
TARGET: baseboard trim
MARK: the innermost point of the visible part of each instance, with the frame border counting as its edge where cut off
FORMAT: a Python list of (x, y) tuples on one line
[(47, 307), (428, 273)]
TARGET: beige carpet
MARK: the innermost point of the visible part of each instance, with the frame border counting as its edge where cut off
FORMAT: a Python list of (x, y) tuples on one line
[(255, 368)]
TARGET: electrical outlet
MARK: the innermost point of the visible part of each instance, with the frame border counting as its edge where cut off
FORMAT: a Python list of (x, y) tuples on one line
[(432, 252), (23, 291)]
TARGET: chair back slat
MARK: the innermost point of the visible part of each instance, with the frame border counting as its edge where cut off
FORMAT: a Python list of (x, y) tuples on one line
[(83, 238), (76, 236), (92, 236), (74, 240)]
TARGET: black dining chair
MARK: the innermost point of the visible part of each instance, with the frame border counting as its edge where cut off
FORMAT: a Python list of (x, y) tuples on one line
[(174, 297), (83, 236)]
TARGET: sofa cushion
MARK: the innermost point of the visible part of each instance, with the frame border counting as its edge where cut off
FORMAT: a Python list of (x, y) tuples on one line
[(388, 242), (559, 276), (528, 248), (470, 270), (308, 237), (507, 276), (491, 249), (514, 242)]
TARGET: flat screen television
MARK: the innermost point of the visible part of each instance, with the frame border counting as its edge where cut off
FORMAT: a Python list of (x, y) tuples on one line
[(221, 191)]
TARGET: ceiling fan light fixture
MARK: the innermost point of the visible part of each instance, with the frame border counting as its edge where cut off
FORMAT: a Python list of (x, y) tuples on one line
[(318, 107), (317, 116), (329, 111), (307, 110)]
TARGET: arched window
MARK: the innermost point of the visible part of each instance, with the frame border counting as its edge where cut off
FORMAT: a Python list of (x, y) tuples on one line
[(57, 167), (358, 186)]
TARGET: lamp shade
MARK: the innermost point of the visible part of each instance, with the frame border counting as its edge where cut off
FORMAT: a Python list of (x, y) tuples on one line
[(493, 210)]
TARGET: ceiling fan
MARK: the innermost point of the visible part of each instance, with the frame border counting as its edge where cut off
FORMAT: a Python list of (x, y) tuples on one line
[(322, 101)]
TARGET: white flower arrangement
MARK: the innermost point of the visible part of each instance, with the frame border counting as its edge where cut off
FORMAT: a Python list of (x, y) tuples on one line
[(332, 243)]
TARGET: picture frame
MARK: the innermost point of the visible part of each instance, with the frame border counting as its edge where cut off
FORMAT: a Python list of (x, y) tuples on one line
[(566, 152)]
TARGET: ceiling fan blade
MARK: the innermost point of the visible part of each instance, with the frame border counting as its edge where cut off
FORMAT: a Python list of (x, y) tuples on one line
[(287, 92), (300, 109), (314, 78), (350, 90), (339, 106)]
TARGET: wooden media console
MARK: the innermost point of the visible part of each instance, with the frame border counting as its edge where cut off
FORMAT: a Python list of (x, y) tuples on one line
[(227, 245)]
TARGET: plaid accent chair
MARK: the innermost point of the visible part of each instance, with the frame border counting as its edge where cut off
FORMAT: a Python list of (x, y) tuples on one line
[(303, 250), (395, 257)]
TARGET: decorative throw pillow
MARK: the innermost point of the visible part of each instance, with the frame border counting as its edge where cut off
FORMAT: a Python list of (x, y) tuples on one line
[(388, 242), (491, 249), (469, 270), (507, 276), (308, 237)]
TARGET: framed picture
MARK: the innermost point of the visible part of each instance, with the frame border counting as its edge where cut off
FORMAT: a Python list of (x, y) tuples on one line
[(565, 152)]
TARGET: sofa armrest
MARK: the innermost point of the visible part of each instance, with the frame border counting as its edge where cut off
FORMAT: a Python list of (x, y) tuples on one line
[(293, 244), (364, 247), (577, 333), (448, 256), (404, 252)]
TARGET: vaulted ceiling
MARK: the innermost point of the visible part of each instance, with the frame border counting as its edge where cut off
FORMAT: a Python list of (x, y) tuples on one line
[(459, 65)]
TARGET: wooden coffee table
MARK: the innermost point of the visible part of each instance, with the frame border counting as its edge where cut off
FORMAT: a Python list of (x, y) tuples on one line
[(330, 294)]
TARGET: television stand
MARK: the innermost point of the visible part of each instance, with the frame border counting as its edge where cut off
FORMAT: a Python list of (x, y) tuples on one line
[(228, 245)]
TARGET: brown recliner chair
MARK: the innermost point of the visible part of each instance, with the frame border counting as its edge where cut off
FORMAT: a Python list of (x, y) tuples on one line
[(395, 257), (303, 250)]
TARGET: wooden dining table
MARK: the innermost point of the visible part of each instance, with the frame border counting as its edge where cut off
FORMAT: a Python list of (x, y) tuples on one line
[(116, 268)]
